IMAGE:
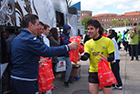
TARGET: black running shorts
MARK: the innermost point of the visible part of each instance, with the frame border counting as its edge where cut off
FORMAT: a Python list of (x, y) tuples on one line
[(93, 78)]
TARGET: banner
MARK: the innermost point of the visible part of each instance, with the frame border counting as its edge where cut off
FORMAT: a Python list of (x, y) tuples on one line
[(43, 8)]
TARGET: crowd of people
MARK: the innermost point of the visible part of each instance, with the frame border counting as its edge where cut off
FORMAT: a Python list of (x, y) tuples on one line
[(130, 42), (38, 39)]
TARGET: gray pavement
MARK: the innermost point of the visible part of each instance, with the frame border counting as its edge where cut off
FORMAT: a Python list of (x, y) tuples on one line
[(129, 71)]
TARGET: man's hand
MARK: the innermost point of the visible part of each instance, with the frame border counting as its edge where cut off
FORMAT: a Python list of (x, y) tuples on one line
[(42, 61), (73, 45), (102, 57)]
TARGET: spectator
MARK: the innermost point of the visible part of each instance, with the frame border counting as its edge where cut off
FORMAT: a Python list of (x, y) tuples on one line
[(54, 41), (45, 34), (6, 75), (115, 66), (40, 31), (129, 40), (79, 34), (139, 43), (119, 35), (123, 39), (94, 50), (26, 50), (134, 43), (64, 39), (86, 38), (126, 42)]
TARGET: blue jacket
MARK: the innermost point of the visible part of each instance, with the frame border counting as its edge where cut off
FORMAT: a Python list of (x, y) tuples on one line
[(124, 35), (26, 50), (64, 37)]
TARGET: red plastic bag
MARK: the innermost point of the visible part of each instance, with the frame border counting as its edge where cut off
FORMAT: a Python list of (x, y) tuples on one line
[(75, 53), (81, 49), (105, 75), (46, 76)]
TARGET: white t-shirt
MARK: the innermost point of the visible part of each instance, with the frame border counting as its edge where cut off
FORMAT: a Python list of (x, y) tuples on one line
[(46, 40)]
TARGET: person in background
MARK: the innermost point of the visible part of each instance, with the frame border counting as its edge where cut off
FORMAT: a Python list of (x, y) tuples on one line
[(54, 41), (134, 43), (7, 73), (45, 34), (129, 41), (115, 66), (139, 44), (40, 31), (86, 38), (26, 50), (119, 35), (126, 42), (95, 49), (79, 34), (123, 39), (64, 40)]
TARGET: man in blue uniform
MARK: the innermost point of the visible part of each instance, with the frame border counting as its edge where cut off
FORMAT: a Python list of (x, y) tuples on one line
[(26, 50)]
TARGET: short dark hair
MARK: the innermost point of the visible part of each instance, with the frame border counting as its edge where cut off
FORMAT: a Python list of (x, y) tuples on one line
[(46, 26), (28, 18), (96, 24), (41, 23)]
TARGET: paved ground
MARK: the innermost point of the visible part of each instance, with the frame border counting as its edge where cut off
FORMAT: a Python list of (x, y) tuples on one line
[(129, 71)]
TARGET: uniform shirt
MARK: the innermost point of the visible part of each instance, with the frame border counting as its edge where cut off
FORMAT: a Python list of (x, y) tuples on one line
[(103, 46)]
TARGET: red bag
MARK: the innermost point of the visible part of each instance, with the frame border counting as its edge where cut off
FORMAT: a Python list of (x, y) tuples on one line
[(75, 53), (105, 75), (46, 76), (81, 49)]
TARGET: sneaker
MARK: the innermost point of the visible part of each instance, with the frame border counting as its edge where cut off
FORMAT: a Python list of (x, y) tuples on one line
[(119, 87), (132, 59), (113, 87), (66, 84), (70, 82), (137, 59)]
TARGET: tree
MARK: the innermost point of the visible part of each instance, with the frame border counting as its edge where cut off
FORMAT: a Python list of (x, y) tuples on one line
[(85, 20), (127, 22), (113, 22), (120, 23)]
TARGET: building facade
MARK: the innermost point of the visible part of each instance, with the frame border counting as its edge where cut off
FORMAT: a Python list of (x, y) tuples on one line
[(126, 19), (85, 14)]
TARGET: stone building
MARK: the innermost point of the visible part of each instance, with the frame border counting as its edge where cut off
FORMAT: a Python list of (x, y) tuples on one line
[(128, 18)]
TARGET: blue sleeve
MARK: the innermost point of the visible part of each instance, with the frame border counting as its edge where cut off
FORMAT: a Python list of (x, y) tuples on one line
[(38, 48)]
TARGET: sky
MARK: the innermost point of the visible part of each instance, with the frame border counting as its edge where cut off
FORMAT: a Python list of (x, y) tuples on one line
[(109, 6)]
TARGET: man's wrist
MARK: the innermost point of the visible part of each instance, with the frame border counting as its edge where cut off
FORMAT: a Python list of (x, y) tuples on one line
[(67, 48)]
